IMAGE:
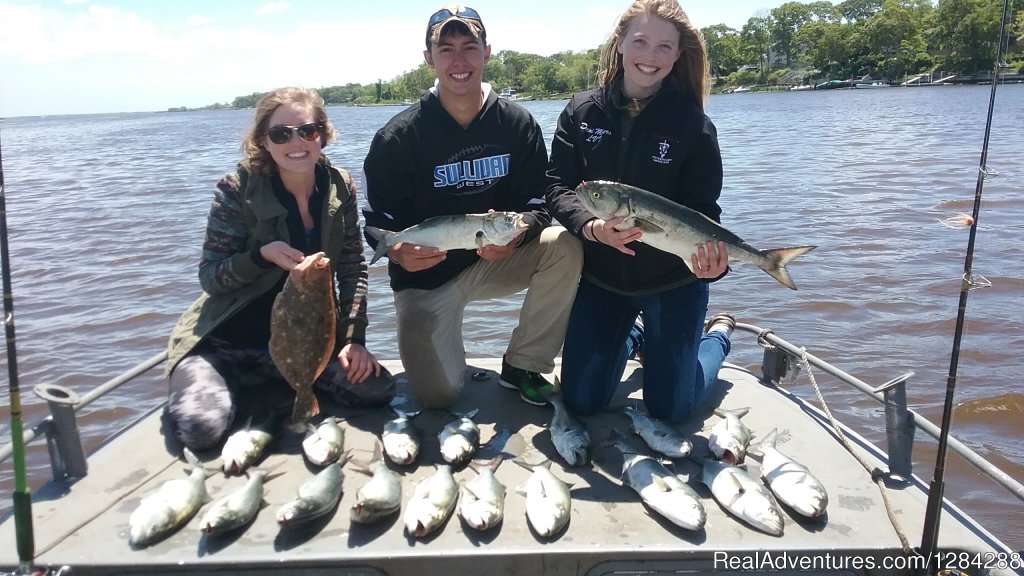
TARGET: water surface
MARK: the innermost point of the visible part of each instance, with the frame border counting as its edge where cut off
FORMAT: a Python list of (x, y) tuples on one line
[(106, 216)]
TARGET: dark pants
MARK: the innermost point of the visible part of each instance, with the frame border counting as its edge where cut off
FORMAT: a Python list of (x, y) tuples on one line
[(680, 365), (219, 381)]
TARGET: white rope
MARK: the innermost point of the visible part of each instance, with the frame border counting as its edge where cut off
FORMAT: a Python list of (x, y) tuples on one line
[(876, 475)]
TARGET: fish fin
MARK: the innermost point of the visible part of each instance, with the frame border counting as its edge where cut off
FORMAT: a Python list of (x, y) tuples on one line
[(739, 485), (626, 223), (738, 412), (768, 441), (190, 458), (380, 237), (546, 463), (659, 483), (480, 239), (778, 258), (647, 227), (400, 413)]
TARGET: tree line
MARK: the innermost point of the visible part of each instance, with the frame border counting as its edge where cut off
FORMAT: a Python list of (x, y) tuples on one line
[(887, 39)]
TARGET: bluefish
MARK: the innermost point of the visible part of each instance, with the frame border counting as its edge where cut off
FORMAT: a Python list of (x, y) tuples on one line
[(569, 434), (658, 435), (451, 232), (790, 481), (730, 438), (164, 512), (679, 230)]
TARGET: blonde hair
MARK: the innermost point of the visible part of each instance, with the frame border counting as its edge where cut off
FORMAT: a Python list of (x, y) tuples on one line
[(691, 73), (255, 157)]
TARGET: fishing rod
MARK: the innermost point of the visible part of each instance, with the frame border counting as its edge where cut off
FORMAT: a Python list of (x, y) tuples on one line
[(933, 512), (22, 495)]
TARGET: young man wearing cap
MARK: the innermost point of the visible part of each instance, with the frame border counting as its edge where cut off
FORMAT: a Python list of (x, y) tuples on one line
[(462, 150)]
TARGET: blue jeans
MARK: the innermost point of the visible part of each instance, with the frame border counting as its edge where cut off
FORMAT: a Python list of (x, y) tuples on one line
[(680, 364)]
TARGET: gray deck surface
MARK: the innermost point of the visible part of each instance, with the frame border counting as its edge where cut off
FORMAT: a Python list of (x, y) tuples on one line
[(86, 525)]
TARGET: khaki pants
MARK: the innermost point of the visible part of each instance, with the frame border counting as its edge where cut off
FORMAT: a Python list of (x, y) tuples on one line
[(430, 321)]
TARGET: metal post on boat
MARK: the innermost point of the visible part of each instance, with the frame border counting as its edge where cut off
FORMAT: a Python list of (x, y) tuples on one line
[(22, 496), (775, 363), (67, 457), (899, 427)]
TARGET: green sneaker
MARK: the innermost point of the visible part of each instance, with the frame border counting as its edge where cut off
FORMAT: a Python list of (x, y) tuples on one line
[(533, 388)]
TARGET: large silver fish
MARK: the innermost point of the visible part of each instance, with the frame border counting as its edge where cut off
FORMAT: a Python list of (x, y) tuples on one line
[(400, 438), (164, 512), (432, 502), (666, 493), (743, 496), (482, 500), (548, 504), (381, 496), (451, 232), (325, 442), (459, 438), (569, 434), (236, 509), (679, 230), (317, 497), (245, 446), (790, 481), (302, 332), (730, 438), (658, 435)]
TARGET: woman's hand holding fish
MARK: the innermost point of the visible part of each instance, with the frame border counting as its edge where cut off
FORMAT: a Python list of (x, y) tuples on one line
[(281, 254), (415, 258), (605, 232), (358, 362), (709, 262)]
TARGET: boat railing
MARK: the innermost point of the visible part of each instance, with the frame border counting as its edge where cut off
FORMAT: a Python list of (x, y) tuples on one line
[(781, 356), (60, 428), (67, 458)]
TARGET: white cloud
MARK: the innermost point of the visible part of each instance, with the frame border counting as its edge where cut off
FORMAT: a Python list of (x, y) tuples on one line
[(93, 59), (198, 21), (273, 7), (44, 36)]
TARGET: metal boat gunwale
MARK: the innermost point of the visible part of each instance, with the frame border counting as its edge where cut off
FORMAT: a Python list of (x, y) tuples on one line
[(557, 556)]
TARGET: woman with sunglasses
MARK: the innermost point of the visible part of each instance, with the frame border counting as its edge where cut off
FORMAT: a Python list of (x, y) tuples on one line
[(646, 127), (285, 201)]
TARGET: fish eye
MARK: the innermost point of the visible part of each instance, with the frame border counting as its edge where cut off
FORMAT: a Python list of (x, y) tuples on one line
[(595, 194)]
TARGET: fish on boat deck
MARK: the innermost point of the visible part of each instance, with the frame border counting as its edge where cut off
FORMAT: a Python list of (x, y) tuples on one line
[(302, 332)]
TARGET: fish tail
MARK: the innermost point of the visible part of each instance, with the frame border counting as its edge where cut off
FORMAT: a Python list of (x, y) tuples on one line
[(777, 260), (738, 412), (380, 237), (769, 440)]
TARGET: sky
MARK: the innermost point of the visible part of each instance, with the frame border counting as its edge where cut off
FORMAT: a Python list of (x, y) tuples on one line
[(85, 57)]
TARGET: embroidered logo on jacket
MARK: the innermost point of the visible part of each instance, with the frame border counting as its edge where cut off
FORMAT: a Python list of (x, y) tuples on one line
[(660, 158), (594, 135), (473, 173)]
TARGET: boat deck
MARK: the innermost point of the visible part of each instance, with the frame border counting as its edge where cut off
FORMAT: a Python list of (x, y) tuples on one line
[(84, 524)]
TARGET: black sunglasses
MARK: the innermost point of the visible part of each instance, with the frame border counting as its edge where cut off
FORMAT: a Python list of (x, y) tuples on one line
[(463, 12), (281, 134)]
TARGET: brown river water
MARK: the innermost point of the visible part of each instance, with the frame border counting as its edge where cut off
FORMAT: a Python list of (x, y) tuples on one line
[(106, 216)]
